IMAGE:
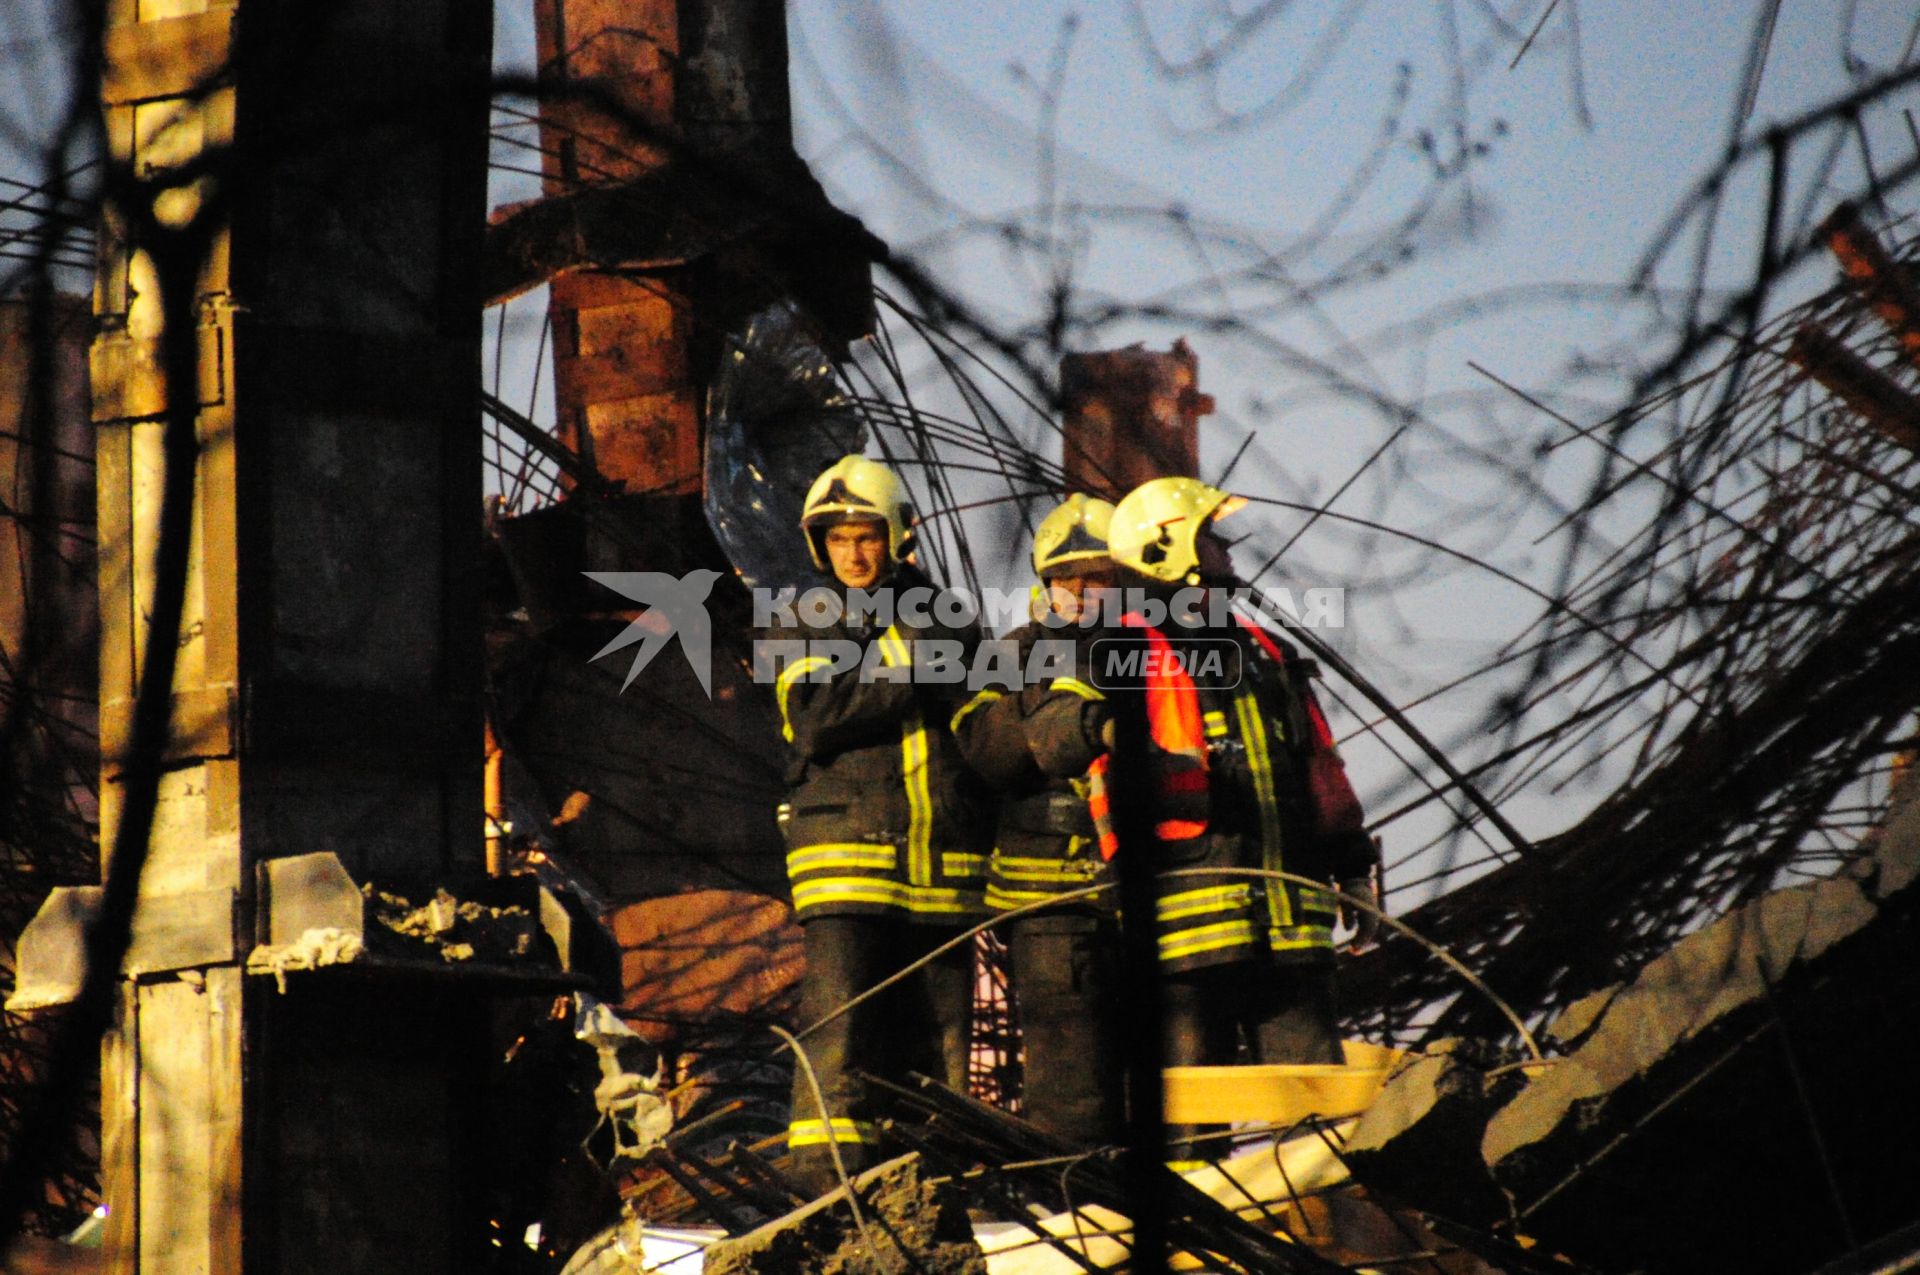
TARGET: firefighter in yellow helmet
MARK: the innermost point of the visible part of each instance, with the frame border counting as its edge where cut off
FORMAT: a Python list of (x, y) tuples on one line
[(1034, 746), (1245, 775), (883, 822)]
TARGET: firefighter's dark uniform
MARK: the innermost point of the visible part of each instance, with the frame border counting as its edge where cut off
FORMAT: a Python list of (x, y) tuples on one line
[(887, 848), (1033, 746), (1248, 960)]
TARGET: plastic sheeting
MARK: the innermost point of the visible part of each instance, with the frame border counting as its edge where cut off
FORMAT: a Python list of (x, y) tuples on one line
[(776, 417)]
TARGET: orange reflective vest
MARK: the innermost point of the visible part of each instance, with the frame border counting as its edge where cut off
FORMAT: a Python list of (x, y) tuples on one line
[(1175, 725), (1287, 800)]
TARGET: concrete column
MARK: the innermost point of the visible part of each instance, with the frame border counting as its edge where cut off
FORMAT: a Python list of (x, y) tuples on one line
[(331, 161)]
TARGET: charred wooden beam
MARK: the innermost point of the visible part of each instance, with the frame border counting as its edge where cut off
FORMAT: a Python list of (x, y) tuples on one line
[(763, 209)]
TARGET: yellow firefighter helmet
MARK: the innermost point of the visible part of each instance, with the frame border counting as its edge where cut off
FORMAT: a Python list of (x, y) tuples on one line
[(1075, 534), (855, 489), (1156, 527)]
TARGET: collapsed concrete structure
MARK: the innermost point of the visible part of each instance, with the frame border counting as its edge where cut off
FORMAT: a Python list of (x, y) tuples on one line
[(1745, 1102)]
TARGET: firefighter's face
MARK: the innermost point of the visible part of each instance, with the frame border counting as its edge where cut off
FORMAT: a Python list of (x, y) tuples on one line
[(857, 552), (1066, 594)]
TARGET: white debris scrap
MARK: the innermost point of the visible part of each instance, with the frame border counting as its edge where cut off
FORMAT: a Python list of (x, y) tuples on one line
[(313, 949)]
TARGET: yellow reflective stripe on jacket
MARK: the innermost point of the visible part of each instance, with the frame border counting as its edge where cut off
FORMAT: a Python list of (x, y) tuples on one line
[(914, 747), (783, 686), (1074, 871), (1314, 899), (842, 854), (894, 651), (1075, 686), (958, 864), (824, 891), (1253, 732), (1218, 898), (1206, 938), (1216, 723), (979, 701), (1002, 899), (841, 1129), (1298, 938)]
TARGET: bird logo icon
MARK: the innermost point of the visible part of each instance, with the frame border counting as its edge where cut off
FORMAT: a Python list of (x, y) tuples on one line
[(677, 605)]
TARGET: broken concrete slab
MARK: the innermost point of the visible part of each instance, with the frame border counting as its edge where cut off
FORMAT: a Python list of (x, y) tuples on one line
[(1731, 965), (1420, 1140), (1574, 1023), (1756, 1070), (910, 1225)]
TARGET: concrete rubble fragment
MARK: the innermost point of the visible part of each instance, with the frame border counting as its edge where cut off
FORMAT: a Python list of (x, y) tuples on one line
[(913, 1225), (311, 951), (458, 929), (1420, 1140)]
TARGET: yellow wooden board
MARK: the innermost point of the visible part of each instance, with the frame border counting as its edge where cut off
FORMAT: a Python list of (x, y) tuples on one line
[(1278, 1093)]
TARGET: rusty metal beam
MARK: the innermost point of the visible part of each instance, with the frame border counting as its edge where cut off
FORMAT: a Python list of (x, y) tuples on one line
[(1882, 401)]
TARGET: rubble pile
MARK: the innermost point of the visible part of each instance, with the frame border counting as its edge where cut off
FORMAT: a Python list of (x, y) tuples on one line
[(1745, 1102), (459, 929)]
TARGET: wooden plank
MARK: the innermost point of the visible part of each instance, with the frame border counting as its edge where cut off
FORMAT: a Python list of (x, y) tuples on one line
[(113, 477), (225, 990), (129, 382), (204, 726), (1278, 1093)]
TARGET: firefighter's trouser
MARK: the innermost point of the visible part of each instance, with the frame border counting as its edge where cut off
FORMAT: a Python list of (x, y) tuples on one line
[(918, 1025), (1282, 1012), (1062, 971)]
